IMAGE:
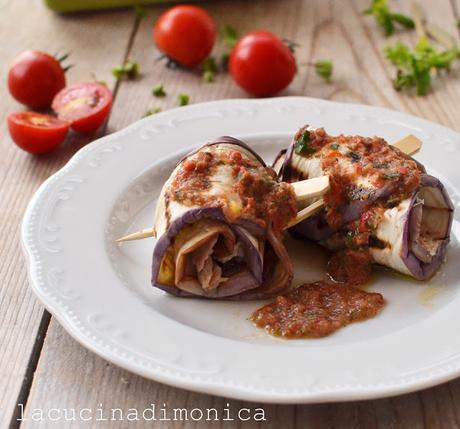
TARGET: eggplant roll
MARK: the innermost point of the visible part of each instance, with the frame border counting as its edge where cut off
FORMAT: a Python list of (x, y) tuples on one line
[(386, 201), (214, 239)]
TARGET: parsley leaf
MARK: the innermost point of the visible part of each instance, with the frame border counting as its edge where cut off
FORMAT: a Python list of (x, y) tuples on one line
[(414, 68), (324, 69), (229, 35), (230, 39), (210, 69), (301, 145), (151, 112), (208, 76), (159, 91), (128, 70), (183, 99), (403, 20), (386, 18), (350, 240), (392, 175)]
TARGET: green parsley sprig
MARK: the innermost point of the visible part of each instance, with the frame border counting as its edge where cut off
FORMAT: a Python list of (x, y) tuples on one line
[(324, 69), (158, 91), (230, 39), (302, 143), (392, 175), (183, 99), (386, 18), (229, 36), (415, 67), (209, 69), (151, 112), (127, 70)]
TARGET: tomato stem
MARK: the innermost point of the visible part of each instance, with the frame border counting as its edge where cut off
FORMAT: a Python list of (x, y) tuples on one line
[(62, 57), (291, 44), (170, 62)]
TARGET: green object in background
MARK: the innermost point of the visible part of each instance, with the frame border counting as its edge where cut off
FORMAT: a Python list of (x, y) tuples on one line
[(64, 6)]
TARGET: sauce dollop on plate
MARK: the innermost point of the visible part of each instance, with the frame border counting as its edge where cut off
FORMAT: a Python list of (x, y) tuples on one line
[(315, 310)]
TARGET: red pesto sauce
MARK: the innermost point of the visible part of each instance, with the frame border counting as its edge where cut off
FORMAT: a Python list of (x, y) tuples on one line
[(350, 267), (264, 199), (315, 310), (353, 265), (347, 159), (369, 157)]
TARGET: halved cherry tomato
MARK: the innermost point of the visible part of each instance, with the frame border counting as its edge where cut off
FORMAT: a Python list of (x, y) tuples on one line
[(186, 34), (262, 64), (85, 105), (35, 78), (36, 132)]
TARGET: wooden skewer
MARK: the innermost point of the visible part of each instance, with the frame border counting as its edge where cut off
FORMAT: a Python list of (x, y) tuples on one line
[(311, 188), (409, 145), (304, 190), (138, 235), (307, 212)]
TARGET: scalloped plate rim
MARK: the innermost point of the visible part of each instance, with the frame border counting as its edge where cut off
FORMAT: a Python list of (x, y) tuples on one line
[(343, 393)]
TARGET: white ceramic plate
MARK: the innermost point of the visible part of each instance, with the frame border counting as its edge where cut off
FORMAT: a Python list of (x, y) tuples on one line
[(101, 291)]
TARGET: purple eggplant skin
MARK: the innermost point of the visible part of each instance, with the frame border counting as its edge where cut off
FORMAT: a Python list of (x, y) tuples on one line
[(167, 239), (287, 173), (241, 288), (251, 285), (226, 140), (316, 228), (278, 162), (419, 269)]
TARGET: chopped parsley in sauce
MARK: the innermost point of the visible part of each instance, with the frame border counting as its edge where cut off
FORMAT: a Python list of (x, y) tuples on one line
[(315, 310), (301, 145), (359, 167), (367, 176)]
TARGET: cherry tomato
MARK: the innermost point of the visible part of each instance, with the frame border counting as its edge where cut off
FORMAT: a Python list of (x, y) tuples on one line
[(85, 105), (186, 34), (36, 132), (35, 78), (262, 64)]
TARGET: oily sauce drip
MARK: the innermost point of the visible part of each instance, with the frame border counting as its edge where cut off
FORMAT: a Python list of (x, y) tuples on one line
[(350, 267)]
